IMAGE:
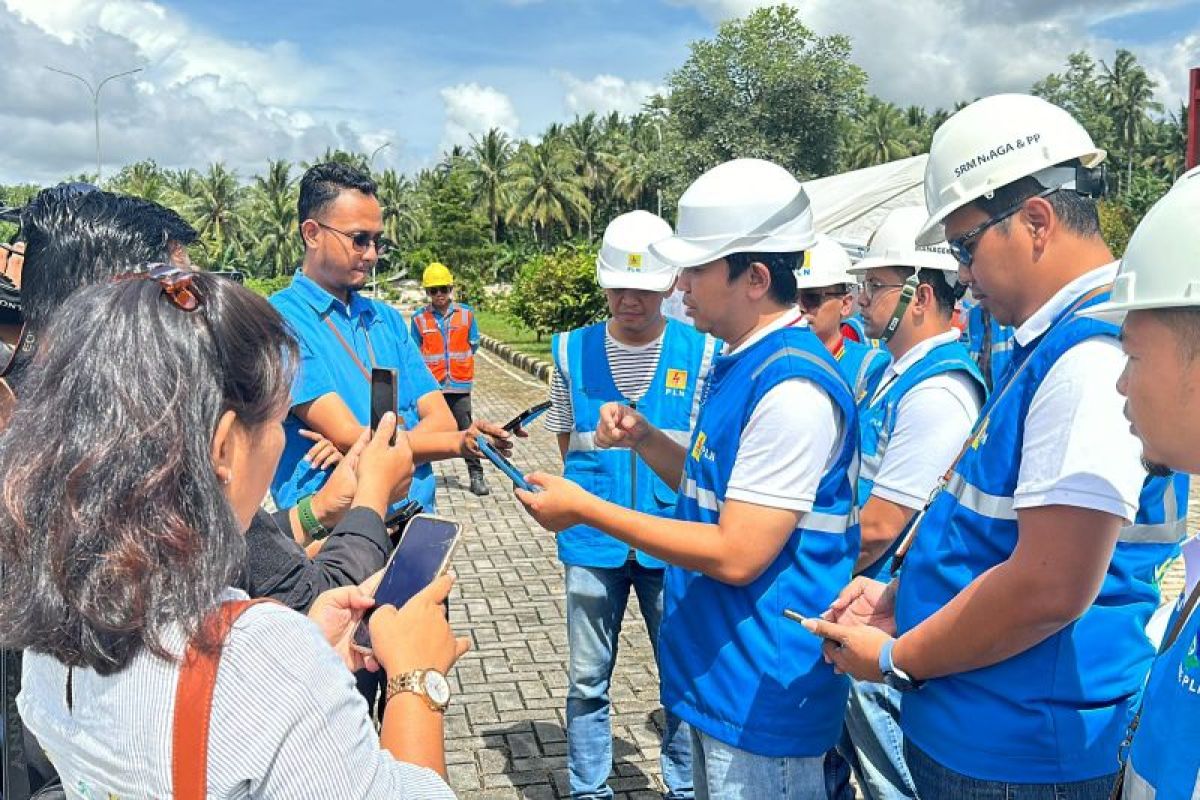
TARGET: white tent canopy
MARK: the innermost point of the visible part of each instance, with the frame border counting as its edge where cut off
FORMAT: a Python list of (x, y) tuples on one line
[(851, 205)]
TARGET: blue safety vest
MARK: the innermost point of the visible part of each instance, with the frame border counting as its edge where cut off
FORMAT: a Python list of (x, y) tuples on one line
[(855, 323), (877, 421), (862, 366), (1164, 760), (1056, 712), (731, 664), (671, 403), (1000, 346)]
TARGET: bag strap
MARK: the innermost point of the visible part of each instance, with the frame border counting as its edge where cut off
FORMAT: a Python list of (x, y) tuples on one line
[(346, 346), (193, 704)]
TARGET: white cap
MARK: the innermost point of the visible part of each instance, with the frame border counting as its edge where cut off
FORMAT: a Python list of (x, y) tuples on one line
[(1161, 267), (742, 206), (894, 244), (625, 260), (994, 142), (825, 264)]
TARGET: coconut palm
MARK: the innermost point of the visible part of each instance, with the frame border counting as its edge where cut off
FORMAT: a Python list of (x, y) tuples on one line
[(882, 135), (593, 161), (272, 203), (213, 208), (1129, 91), (547, 193), (488, 168)]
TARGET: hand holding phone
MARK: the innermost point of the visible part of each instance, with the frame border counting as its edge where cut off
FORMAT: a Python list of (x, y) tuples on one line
[(383, 396), (522, 420), (503, 464), (796, 616)]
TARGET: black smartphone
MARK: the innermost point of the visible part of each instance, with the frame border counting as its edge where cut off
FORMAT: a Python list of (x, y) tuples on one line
[(383, 396), (527, 416), (399, 519), (796, 616), (423, 554)]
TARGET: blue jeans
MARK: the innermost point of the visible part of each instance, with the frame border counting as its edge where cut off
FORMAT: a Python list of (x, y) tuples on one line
[(596, 600), (723, 772), (935, 782), (873, 744)]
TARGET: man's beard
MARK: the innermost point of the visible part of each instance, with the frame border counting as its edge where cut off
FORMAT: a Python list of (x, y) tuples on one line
[(1155, 469)]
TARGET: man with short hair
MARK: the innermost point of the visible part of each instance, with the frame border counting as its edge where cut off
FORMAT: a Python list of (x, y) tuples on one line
[(910, 429), (639, 358), (1153, 298), (824, 290), (448, 336), (1020, 608), (344, 335), (765, 519)]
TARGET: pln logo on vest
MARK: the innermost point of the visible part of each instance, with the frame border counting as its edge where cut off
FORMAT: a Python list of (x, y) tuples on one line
[(700, 451), (677, 381), (1189, 669)]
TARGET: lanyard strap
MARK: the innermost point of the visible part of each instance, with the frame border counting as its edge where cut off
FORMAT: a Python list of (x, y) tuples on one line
[(909, 534), (346, 345)]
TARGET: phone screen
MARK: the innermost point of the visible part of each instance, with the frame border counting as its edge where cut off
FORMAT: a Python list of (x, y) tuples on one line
[(383, 394), (502, 463), (422, 555)]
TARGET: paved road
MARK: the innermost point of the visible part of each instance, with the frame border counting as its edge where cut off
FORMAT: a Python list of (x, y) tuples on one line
[(505, 735)]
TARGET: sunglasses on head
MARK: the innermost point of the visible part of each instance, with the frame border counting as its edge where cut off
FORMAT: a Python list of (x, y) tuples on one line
[(176, 283), (360, 240)]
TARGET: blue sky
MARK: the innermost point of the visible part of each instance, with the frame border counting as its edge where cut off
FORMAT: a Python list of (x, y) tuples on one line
[(245, 81)]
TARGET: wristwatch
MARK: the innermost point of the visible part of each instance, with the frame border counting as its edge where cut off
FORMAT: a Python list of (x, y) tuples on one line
[(428, 683), (893, 676), (309, 523)]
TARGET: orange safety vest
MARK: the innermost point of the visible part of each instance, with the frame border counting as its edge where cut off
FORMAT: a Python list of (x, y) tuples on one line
[(454, 349)]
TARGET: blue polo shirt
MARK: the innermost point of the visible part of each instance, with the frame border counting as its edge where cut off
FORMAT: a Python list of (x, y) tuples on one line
[(326, 366)]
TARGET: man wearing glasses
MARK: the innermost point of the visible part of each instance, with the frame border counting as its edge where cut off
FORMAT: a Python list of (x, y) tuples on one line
[(1015, 627), (344, 335), (448, 338), (823, 292)]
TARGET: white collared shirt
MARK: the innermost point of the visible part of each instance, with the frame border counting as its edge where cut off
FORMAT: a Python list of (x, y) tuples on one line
[(1078, 450), (933, 421), (793, 435)]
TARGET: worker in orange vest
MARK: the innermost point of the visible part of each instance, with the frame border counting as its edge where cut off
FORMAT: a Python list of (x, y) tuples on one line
[(448, 337)]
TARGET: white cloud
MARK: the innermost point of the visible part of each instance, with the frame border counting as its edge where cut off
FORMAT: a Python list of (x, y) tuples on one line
[(200, 98), (936, 52), (474, 109), (605, 93)]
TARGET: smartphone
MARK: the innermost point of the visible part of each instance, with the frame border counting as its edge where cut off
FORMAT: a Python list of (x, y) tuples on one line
[(383, 396), (503, 464), (399, 519), (423, 555), (527, 416), (796, 616)]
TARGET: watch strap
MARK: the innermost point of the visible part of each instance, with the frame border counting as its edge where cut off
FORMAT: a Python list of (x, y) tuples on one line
[(414, 682), (309, 523)]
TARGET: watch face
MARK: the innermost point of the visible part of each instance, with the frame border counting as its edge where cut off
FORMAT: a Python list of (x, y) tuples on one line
[(436, 687)]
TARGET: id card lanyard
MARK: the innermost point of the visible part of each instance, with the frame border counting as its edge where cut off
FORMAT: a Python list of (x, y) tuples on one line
[(909, 534)]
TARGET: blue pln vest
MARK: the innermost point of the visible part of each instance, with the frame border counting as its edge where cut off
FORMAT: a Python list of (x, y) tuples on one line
[(731, 664), (1164, 760), (877, 421), (1000, 346), (862, 366), (670, 404), (1056, 712)]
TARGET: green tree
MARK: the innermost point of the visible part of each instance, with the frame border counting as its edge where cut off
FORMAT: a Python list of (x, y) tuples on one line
[(142, 179), (1129, 92), (594, 164), (766, 87), (547, 192), (488, 167), (881, 134), (213, 211), (272, 202), (557, 291)]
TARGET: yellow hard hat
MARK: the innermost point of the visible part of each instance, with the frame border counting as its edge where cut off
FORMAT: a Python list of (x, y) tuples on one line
[(436, 274)]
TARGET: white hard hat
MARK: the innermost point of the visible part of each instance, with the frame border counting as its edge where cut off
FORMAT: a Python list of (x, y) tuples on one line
[(826, 263), (742, 206), (625, 261), (893, 244), (994, 142), (1161, 267)]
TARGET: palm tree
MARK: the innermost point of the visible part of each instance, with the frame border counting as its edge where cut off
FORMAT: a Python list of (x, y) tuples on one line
[(143, 179), (593, 161), (882, 135), (213, 209), (1129, 91), (273, 209), (1167, 148), (488, 169), (547, 192), (403, 221)]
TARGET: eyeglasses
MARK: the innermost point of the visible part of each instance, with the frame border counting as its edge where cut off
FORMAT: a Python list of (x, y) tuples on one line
[(810, 299), (440, 289), (361, 240), (870, 288), (176, 284), (962, 247)]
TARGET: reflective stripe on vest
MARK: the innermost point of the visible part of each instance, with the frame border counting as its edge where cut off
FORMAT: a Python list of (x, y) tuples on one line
[(449, 357)]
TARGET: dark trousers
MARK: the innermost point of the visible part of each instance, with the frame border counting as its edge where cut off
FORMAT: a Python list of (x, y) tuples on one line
[(460, 407)]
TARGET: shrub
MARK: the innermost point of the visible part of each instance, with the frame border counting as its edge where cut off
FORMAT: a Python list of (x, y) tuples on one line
[(268, 286), (557, 291)]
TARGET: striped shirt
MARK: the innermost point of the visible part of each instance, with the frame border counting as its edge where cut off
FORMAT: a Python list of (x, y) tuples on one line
[(632, 370), (287, 721)]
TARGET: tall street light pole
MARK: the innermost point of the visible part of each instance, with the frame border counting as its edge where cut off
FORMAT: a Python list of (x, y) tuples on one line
[(95, 91)]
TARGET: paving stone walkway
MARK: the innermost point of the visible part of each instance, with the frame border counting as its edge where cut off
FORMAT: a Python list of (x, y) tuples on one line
[(505, 734)]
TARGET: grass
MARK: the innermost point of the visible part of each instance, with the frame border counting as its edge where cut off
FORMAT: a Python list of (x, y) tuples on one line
[(513, 333)]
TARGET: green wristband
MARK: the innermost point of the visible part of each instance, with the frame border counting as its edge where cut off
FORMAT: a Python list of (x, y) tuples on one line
[(309, 523)]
